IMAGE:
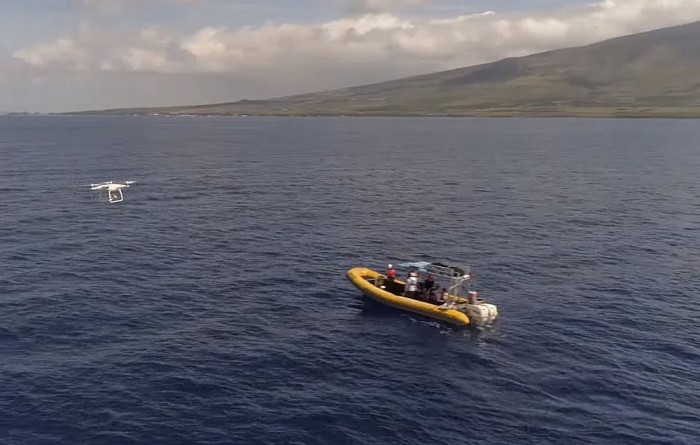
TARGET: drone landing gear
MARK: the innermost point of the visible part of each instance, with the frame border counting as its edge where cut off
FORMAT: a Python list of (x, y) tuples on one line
[(115, 196)]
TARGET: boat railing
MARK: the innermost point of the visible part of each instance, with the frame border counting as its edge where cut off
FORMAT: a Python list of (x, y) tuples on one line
[(450, 272)]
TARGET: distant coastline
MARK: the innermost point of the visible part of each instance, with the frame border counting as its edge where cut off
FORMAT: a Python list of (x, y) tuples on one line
[(602, 113)]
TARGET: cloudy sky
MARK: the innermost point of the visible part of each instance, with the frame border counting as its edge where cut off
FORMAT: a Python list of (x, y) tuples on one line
[(61, 55)]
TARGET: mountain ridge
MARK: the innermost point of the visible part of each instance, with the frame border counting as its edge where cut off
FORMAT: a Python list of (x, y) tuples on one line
[(651, 74)]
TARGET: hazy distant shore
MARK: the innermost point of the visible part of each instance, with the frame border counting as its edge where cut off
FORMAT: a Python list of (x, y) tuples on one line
[(537, 113)]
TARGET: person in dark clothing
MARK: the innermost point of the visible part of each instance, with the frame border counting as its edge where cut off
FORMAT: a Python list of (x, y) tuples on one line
[(428, 285)]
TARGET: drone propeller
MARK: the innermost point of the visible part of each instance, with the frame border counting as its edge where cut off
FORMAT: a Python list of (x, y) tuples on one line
[(96, 184)]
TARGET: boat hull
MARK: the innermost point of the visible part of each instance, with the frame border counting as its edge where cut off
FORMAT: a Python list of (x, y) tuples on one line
[(359, 276)]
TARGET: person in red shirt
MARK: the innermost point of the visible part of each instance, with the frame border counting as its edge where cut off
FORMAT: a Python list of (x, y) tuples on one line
[(390, 273)]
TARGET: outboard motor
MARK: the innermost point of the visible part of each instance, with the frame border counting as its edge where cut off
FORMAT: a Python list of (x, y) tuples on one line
[(482, 314)]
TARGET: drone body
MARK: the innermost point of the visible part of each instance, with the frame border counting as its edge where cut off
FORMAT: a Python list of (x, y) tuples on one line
[(113, 189)]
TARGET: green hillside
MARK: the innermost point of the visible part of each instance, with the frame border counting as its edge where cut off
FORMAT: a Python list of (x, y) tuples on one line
[(652, 74)]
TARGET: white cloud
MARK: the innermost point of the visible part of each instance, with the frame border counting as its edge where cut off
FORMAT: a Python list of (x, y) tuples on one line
[(361, 26), (383, 5), (61, 53), (120, 5), (353, 50), (137, 59)]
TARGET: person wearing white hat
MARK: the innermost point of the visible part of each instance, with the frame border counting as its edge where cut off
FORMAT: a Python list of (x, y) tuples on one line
[(411, 285), (390, 273)]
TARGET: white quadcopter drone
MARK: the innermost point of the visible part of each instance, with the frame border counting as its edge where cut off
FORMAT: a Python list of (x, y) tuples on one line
[(113, 189)]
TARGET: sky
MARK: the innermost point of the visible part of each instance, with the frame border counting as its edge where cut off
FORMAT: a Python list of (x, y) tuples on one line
[(69, 55)]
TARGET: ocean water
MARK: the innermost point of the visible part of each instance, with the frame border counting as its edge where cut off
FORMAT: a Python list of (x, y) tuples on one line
[(211, 306)]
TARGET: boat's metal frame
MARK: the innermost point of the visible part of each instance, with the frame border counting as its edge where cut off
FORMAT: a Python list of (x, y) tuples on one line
[(460, 280)]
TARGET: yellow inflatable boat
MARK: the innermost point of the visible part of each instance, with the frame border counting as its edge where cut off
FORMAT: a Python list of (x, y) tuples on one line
[(449, 306)]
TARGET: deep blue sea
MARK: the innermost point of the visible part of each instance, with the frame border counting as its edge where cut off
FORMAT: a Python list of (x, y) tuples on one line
[(212, 307)]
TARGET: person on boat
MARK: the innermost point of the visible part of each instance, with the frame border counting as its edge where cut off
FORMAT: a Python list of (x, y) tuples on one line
[(440, 295), (472, 297), (390, 273), (428, 285), (411, 285), (379, 282)]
